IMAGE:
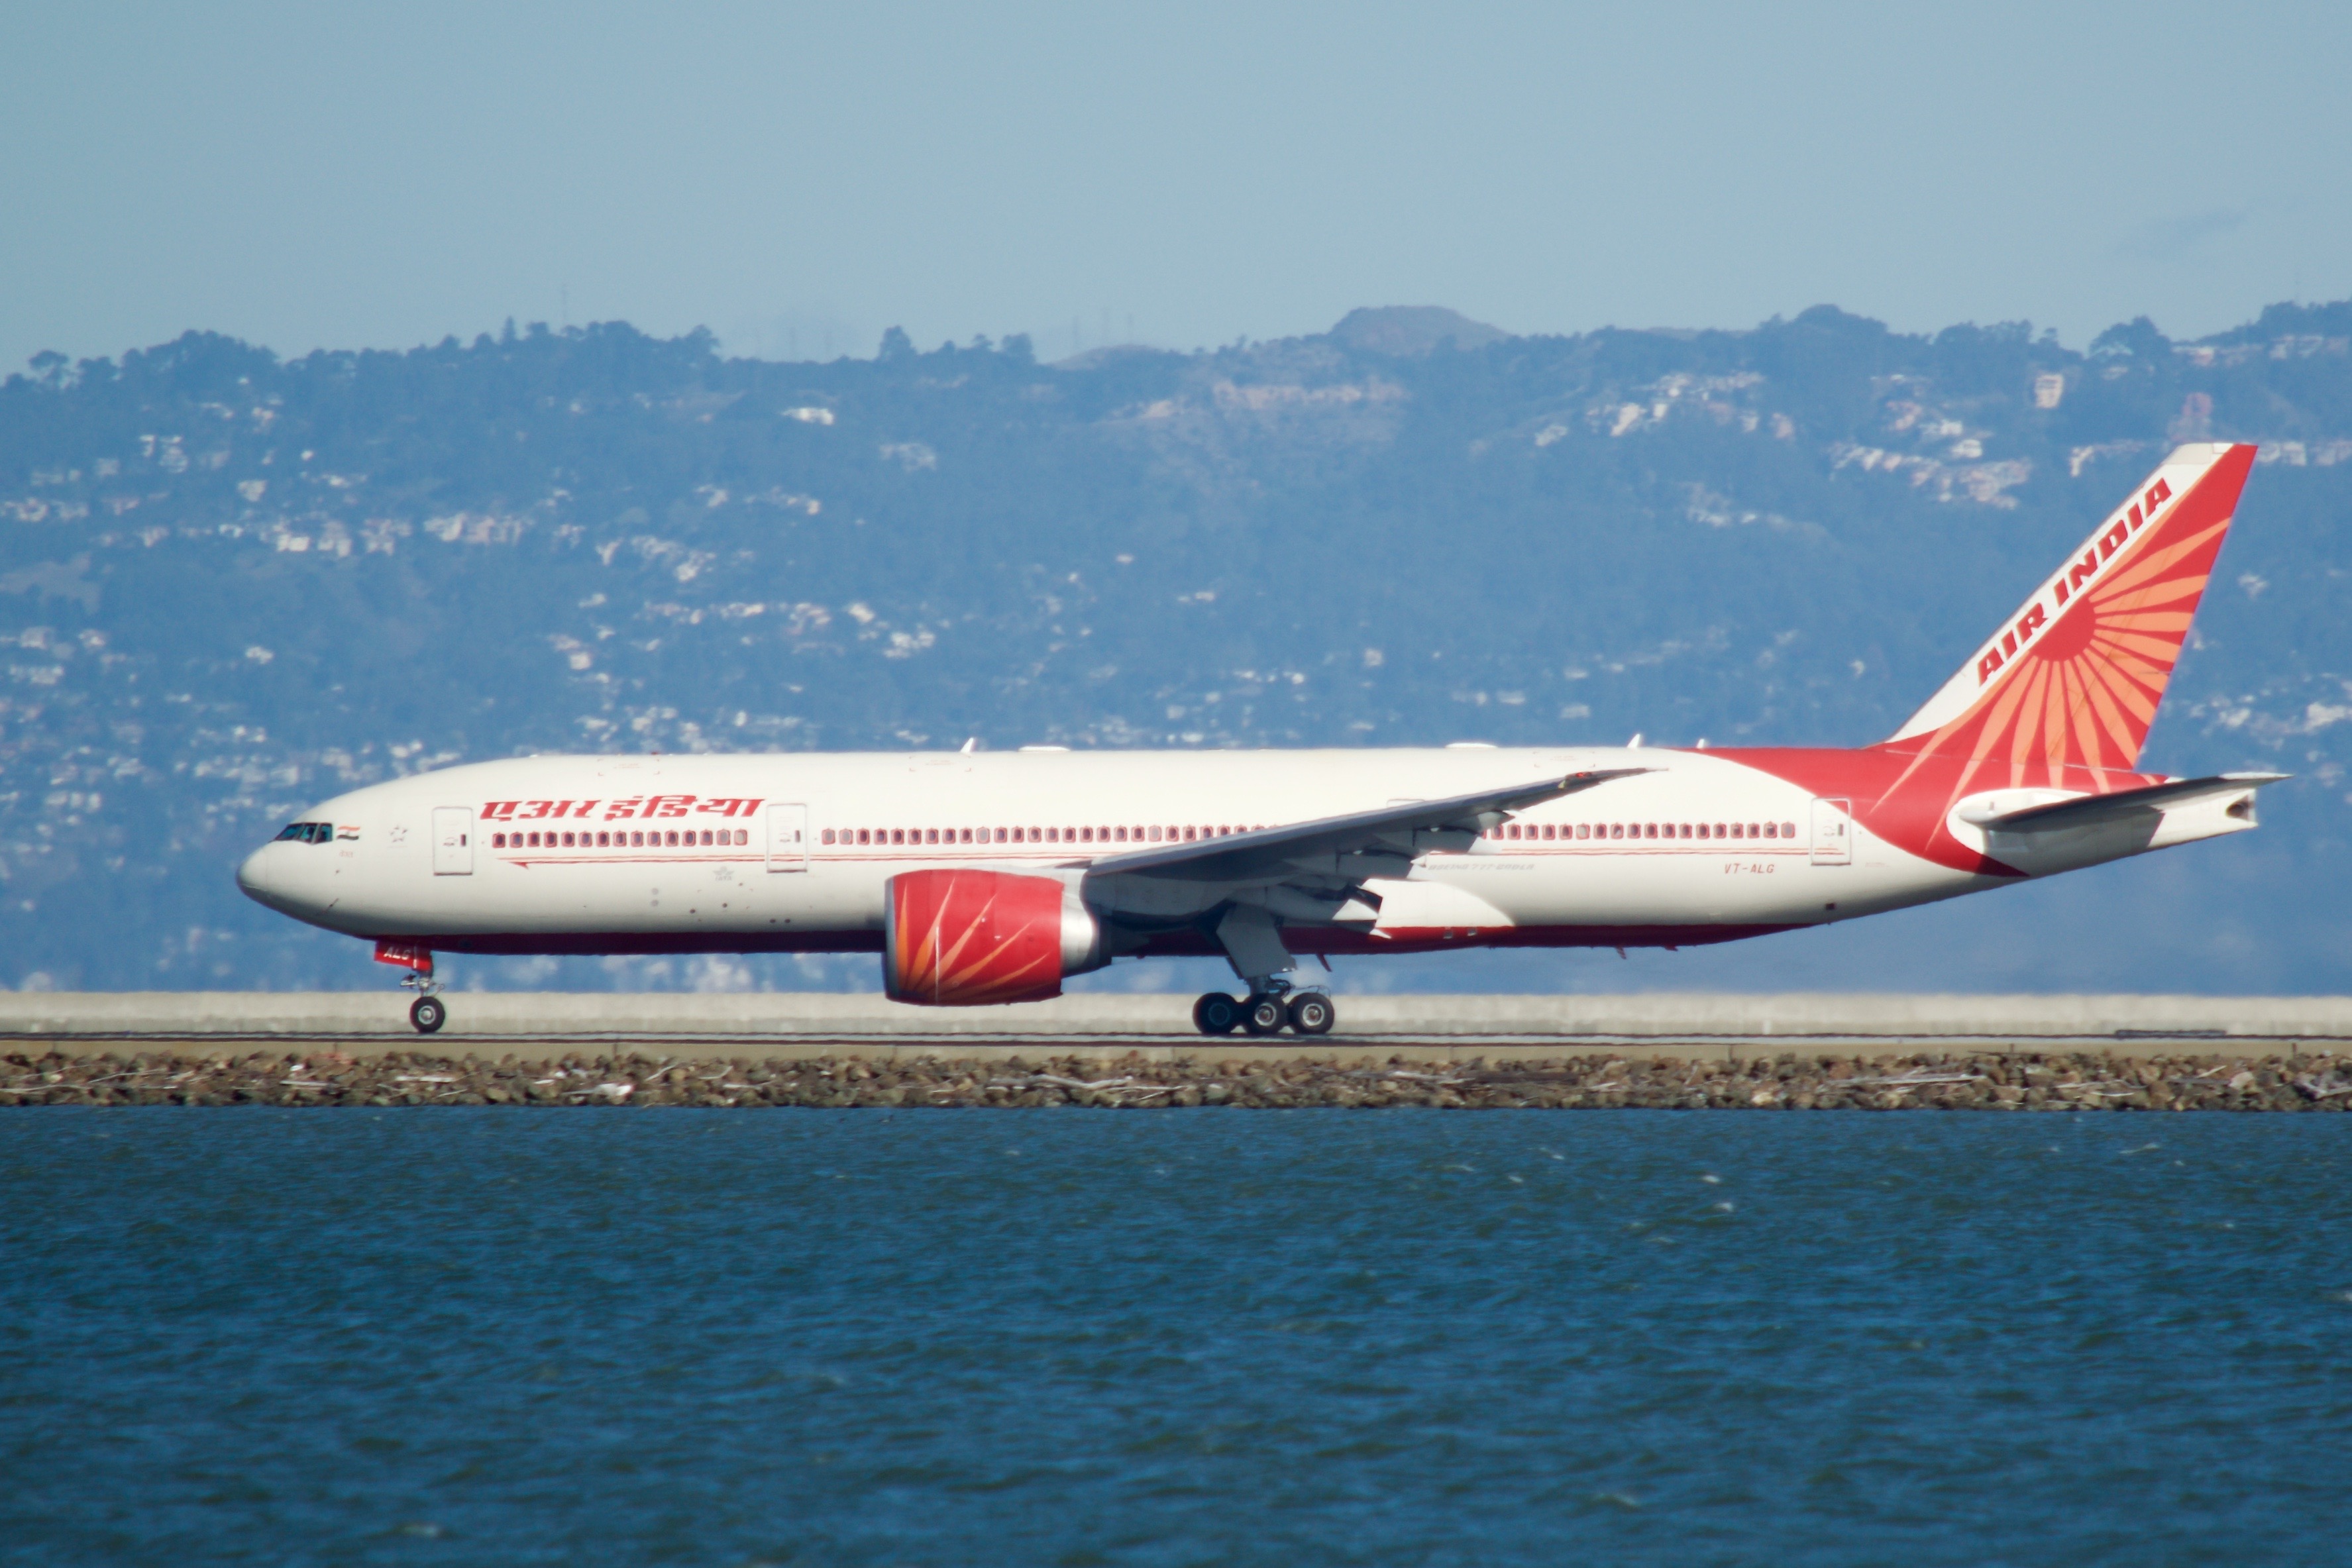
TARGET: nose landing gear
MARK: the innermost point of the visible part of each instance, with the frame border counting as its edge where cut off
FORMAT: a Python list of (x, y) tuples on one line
[(427, 1012)]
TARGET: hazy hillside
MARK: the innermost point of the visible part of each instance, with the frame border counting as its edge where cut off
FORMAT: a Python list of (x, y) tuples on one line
[(232, 586)]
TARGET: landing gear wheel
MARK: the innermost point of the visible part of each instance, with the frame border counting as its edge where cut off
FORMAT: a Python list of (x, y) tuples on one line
[(1263, 1014), (1216, 1013), (1311, 1013), (427, 1014)]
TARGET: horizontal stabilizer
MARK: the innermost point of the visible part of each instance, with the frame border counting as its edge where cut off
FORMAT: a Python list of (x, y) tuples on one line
[(2092, 809)]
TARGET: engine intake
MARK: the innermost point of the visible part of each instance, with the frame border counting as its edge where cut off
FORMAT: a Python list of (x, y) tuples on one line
[(975, 938)]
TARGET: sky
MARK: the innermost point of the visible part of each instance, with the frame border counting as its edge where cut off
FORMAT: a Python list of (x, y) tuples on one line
[(798, 177)]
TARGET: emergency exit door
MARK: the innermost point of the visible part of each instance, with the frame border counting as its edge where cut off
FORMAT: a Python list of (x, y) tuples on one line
[(1833, 832), (788, 838), (453, 841)]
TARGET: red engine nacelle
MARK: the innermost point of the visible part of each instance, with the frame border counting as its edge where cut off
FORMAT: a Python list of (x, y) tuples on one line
[(971, 938)]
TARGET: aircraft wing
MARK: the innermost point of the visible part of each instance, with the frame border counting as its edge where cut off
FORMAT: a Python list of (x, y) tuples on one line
[(2091, 810), (1270, 853)]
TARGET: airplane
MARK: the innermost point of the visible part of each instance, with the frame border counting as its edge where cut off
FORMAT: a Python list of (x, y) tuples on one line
[(990, 878)]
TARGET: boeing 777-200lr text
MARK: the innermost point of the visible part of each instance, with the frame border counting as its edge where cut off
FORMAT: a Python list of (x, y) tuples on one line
[(987, 878)]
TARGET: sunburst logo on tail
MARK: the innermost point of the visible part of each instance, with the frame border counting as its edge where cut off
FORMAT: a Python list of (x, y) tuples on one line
[(2063, 695)]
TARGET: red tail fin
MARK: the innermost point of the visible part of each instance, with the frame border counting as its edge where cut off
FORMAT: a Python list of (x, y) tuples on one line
[(2070, 685)]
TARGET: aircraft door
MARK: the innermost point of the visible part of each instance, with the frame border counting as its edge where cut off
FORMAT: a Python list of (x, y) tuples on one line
[(1833, 832), (453, 841), (788, 838)]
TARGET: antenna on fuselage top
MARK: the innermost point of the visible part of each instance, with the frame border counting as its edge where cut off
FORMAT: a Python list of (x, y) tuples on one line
[(1634, 744), (971, 745)]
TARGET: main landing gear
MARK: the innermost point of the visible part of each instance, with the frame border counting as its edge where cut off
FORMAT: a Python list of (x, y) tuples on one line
[(1252, 942), (1264, 1012)]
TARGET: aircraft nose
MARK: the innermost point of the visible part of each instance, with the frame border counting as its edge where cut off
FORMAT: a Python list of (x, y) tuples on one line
[(253, 874)]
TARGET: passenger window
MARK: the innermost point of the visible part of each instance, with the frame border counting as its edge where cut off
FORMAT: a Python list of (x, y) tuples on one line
[(1770, 831), (1788, 829), (1583, 830)]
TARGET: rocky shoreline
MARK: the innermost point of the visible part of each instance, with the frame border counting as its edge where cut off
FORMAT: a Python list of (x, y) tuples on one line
[(1792, 1080)]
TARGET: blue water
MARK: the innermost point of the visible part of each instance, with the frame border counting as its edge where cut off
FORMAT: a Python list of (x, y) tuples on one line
[(454, 1337)]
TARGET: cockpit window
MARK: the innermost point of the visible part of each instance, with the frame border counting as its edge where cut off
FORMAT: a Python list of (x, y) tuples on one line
[(309, 832)]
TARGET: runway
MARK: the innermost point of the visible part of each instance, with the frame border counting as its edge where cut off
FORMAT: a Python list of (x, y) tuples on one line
[(1104, 1028)]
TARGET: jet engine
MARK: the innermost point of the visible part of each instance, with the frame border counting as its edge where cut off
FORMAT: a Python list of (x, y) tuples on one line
[(972, 938)]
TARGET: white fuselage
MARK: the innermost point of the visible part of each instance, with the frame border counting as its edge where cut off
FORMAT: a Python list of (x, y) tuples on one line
[(609, 853)]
